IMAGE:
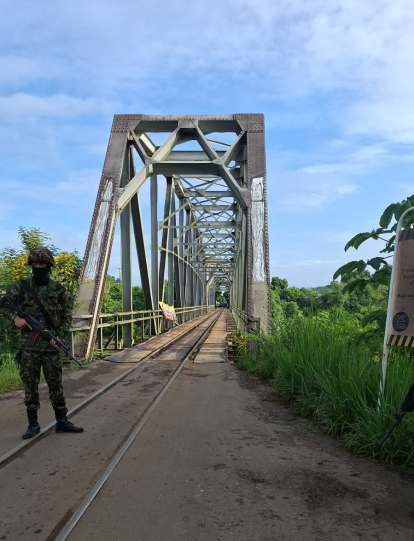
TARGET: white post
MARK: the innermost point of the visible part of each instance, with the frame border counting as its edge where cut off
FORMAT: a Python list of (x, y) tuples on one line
[(385, 346)]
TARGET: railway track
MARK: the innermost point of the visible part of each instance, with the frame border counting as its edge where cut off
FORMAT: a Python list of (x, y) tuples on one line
[(143, 386), (142, 356)]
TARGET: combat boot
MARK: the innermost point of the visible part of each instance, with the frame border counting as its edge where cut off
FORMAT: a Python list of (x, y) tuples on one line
[(34, 427), (63, 425)]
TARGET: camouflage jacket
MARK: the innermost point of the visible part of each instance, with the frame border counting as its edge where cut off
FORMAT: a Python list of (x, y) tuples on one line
[(57, 303)]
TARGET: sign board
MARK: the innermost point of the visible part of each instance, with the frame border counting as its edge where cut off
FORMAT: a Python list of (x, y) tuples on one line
[(168, 312), (400, 328)]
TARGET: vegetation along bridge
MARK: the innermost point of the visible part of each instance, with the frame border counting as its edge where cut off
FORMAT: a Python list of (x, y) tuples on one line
[(214, 232)]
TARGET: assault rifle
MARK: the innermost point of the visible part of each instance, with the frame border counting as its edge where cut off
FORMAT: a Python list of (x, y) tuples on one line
[(407, 406), (37, 327)]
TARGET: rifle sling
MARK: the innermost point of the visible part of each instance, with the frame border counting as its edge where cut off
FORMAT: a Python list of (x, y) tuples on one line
[(42, 309)]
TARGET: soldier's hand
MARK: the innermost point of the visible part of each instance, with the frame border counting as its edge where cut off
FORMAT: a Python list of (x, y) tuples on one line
[(21, 323), (53, 344)]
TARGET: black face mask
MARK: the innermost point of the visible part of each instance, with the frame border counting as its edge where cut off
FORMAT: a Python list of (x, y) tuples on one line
[(41, 275)]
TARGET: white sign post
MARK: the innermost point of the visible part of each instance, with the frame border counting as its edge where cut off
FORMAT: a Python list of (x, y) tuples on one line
[(399, 328)]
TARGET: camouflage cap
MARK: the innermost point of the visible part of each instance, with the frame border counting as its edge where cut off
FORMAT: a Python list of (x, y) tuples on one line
[(41, 254)]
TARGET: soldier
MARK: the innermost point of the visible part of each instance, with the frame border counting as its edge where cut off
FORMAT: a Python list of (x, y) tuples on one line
[(49, 302)]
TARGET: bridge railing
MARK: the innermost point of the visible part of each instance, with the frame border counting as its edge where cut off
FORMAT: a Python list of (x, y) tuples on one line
[(244, 322), (147, 323)]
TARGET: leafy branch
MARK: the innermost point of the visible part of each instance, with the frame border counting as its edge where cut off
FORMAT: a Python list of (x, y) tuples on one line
[(379, 275)]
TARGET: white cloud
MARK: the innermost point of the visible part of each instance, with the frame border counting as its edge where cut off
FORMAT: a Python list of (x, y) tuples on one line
[(22, 104), (78, 190), (318, 262), (333, 170), (15, 67), (304, 190), (283, 49), (310, 265), (334, 236), (80, 186)]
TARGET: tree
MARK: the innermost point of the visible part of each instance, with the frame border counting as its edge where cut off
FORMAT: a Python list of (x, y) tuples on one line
[(382, 269), (13, 267), (138, 301), (279, 283), (112, 299), (356, 275), (13, 263)]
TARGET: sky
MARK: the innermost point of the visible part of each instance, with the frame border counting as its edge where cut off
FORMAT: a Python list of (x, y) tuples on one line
[(334, 79)]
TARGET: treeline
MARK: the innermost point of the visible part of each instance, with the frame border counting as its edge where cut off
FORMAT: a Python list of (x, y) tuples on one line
[(112, 300), (13, 267), (353, 309)]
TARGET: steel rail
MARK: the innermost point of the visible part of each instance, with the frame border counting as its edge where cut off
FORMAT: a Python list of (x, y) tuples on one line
[(80, 511), (12, 453)]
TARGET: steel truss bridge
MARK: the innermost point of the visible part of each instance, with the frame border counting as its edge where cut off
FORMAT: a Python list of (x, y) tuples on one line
[(212, 235)]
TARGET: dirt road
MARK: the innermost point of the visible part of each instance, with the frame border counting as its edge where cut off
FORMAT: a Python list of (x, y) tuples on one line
[(222, 459)]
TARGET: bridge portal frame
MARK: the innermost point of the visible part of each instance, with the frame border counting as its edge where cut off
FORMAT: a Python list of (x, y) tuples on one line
[(221, 237)]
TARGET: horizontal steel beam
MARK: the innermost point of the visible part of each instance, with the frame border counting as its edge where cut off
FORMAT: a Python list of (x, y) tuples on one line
[(211, 208), (207, 262), (209, 193), (208, 225), (185, 168), (190, 155)]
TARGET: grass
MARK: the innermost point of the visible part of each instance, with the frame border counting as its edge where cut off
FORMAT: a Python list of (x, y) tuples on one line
[(317, 365), (9, 372)]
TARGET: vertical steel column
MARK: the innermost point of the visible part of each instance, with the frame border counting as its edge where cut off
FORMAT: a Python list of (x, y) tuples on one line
[(125, 223), (257, 260), (244, 276), (171, 254), (154, 242), (197, 279), (138, 228), (141, 252), (181, 237), (126, 274), (166, 232), (187, 285), (177, 284), (190, 259), (100, 239)]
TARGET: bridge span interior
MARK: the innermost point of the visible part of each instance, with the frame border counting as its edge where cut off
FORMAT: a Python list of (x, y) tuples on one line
[(211, 236)]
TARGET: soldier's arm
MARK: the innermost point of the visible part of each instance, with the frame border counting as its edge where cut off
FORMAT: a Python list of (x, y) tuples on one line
[(13, 293)]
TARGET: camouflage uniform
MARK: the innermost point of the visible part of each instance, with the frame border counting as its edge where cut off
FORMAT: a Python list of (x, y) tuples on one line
[(36, 351)]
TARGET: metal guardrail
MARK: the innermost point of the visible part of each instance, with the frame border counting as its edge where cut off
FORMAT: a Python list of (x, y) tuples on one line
[(244, 322), (147, 323)]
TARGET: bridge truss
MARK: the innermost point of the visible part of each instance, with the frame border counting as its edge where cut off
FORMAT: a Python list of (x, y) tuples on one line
[(214, 226)]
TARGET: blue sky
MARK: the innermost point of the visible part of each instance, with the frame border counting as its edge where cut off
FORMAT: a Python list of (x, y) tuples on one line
[(334, 79)]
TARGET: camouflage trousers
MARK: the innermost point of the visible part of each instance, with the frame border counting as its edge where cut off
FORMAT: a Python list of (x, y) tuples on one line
[(30, 364)]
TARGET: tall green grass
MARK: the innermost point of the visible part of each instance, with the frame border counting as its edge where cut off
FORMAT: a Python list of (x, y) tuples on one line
[(318, 365), (9, 371)]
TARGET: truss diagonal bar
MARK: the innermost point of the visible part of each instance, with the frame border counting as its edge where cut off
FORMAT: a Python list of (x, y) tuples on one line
[(234, 187), (154, 243), (141, 251), (138, 147), (176, 263), (139, 179), (166, 233), (233, 150)]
